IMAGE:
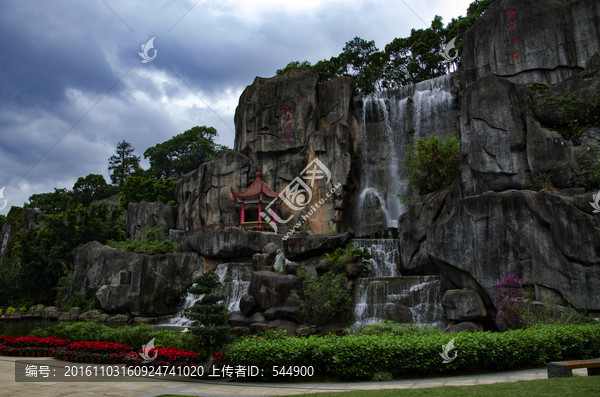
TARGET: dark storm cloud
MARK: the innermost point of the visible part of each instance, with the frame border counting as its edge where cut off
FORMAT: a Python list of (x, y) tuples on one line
[(72, 83)]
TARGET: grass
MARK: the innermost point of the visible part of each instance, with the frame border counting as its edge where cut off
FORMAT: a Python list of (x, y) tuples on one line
[(575, 386)]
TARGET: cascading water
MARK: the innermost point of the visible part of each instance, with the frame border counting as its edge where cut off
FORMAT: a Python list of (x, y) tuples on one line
[(392, 120), (234, 279), (385, 255), (388, 296)]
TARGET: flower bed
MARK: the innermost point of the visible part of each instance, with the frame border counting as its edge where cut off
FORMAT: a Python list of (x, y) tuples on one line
[(30, 346), (167, 356), (94, 352)]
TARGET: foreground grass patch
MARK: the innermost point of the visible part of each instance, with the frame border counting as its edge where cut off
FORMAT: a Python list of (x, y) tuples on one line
[(576, 386)]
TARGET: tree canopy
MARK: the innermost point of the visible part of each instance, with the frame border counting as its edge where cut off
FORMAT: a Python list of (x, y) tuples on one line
[(183, 153), (404, 61)]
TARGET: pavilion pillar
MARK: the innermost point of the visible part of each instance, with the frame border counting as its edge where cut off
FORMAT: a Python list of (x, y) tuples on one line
[(243, 214), (259, 210)]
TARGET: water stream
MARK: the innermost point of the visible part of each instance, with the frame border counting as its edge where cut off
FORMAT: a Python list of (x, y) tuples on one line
[(389, 296), (392, 121), (234, 279)]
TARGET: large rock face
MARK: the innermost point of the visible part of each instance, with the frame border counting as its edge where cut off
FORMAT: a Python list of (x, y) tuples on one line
[(125, 282), (484, 226), (531, 40), (284, 123), (202, 195), (549, 240), (144, 214), (234, 243)]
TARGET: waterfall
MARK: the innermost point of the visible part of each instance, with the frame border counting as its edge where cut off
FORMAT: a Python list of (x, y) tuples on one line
[(391, 121), (408, 299), (385, 255), (387, 295), (280, 261), (234, 279)]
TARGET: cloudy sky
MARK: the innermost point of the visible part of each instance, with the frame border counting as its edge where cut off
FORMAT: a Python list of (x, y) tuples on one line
[(72, 84)]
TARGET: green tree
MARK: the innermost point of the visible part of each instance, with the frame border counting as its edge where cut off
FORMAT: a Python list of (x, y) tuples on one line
[(183, 153), (146, 188), (90, 188), (51, 203), (432, 163), (123, 163), (293, 65), (210, 314), (42, 256), (324, 299)]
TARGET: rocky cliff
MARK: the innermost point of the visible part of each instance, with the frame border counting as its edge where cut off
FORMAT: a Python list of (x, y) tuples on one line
[(485, 226), (282, 124), (125, 282)]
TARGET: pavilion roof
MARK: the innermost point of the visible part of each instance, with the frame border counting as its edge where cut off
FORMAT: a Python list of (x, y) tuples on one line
[(255, 190)]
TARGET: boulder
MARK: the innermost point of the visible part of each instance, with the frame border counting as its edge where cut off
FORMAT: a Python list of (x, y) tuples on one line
[(64, 316), (241, 331), (229, 244), (306, 330), (261, 260), (126, 282), (257, 318), (93, 315), (296, 248), (271, 248), (237, 319), (284, 313), (74, 313), (463, 305), (51, 313), (150, 215), (286, 325), (291, 267), (248, 305), (259, 327), (464, 326), (271, 289), (117, 319)]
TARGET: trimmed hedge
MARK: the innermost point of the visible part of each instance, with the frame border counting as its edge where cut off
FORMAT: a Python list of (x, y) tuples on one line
[(362, 356)]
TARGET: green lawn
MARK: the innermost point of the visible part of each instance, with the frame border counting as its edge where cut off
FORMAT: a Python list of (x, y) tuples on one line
[(575, 386)]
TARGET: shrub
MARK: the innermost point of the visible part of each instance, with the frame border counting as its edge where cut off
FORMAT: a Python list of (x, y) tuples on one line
[(512, 301), (392, 328), (150, 243), (363, 356), (127, 335), (342, 256), (212, 326), (325, 299), (588, 174), (539, 182), (432, 163)]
